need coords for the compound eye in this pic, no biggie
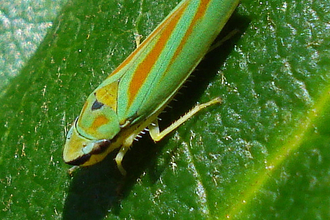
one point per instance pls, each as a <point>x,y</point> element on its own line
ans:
<point>100,146</point>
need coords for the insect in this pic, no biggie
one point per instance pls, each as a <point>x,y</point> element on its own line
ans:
<point>136,92</point>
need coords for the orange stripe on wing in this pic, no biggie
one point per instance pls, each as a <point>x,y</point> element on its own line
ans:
<point>198,15</point>
<point>141,46</point>
<point>146,65</point>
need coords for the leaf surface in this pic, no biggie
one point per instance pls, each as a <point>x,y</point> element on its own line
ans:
<point>262,154</point>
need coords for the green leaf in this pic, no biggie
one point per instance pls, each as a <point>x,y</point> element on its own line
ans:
<point>23,26</point>
<point>262,154</point>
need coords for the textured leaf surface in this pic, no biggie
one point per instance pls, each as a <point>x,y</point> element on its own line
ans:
<point>23,25</point>
<point>262,154</point>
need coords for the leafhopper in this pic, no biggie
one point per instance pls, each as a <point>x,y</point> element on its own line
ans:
<point>136,92</point>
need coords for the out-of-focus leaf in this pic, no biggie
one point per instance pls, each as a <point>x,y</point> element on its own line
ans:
<point>23,25</point>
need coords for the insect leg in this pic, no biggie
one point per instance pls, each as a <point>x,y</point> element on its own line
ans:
<point>157,135</point>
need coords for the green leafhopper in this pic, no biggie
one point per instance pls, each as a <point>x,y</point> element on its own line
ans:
<point>134,94</point>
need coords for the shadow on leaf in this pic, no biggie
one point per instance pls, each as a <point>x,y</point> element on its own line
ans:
<point>97,191</point>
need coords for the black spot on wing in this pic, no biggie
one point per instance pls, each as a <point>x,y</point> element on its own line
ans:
<point>97,105</point>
